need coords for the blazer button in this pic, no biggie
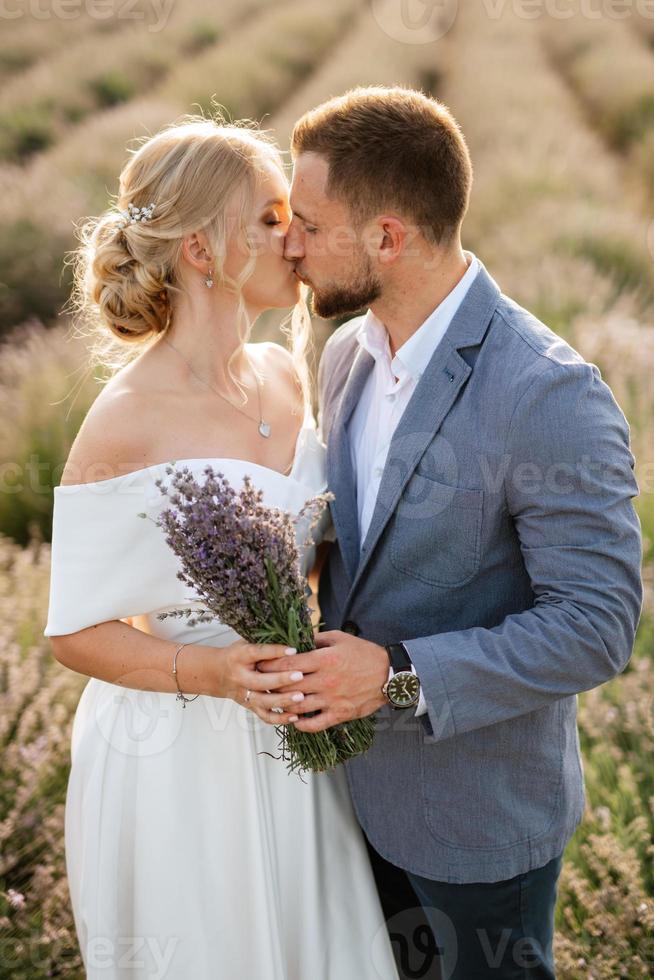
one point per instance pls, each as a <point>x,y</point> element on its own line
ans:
<point>350,627</point>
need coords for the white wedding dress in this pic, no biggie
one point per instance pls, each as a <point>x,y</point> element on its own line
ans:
<point>191,854</point>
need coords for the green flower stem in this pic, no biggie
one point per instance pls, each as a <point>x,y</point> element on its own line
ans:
<point>309,751</point>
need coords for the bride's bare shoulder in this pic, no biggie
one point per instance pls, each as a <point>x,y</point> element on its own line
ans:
<point>112,439</point>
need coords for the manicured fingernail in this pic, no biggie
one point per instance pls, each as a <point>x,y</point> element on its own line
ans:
<point>298,697</point>
<point>297,675</point>
<point>293,717</point>
<point>290,650</point>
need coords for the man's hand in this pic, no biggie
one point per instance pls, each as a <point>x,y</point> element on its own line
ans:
<point>343,679</point>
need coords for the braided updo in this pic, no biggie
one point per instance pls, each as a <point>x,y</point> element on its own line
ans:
<point>127,278</point>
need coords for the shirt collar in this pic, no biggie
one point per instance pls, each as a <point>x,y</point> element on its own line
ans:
<point>414,355</point>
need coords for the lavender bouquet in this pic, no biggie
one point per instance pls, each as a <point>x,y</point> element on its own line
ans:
<point>242,559</point>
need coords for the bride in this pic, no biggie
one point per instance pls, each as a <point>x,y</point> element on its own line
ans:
<point>190,852</point>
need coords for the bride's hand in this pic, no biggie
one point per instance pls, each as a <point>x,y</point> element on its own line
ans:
<point>243,683</point>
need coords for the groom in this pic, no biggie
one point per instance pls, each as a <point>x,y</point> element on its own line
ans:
<point>487,559</point>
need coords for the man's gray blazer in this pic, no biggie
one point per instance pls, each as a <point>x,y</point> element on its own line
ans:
<point>506,551</point>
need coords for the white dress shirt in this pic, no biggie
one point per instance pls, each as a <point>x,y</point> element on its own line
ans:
<point>387,392</point>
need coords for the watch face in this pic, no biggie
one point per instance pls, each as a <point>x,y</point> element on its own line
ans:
<point>403,689</point>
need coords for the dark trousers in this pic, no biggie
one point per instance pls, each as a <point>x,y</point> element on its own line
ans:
<point>500,930</point>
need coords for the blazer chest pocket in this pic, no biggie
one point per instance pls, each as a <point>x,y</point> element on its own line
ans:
<point>436,532</point>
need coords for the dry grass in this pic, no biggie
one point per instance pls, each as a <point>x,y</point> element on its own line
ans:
<point>561,234</point>
<point>366,56</point>
<point>27,39</point>
<point>38,106</point>
<point>611,71</point>
<point>254,73</point>
<point>605,911</point>
<point>642,25</point>
<point>37,702</point>
<point>46,388</point>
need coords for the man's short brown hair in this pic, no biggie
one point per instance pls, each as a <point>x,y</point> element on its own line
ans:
<point>391,148</point>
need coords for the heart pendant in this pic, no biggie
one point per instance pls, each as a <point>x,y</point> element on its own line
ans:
<point>264,429</point>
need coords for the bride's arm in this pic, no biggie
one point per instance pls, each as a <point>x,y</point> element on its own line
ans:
<point>121,654</point>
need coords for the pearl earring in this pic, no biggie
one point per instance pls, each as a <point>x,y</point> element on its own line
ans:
<point>209,280</point>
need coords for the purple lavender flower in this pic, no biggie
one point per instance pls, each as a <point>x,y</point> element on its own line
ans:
<point>241,558</point>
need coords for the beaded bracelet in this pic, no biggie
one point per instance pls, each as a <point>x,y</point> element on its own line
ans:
<point>181,697</point>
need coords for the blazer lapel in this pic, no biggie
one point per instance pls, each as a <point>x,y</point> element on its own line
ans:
<point>341,477</point>
<point>434,396</point>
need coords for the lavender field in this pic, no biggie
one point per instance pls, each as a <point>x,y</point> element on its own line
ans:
<point>558,113</point>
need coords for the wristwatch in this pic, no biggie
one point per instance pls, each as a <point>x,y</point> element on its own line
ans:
<point>402,689</point>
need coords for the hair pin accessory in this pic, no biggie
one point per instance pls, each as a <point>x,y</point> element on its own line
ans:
<point>134,214</point>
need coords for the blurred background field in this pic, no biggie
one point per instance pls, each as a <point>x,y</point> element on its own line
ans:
<point>558,112</point>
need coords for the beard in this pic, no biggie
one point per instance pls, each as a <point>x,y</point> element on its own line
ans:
<point>333,301</point>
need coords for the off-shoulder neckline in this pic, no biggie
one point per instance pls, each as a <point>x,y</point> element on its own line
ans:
<point>62,488</point>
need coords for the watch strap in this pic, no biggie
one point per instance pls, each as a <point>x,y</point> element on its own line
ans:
<point>398,656</point>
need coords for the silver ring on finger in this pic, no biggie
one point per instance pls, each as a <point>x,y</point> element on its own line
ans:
<point>278,711</point>
<point>249,696</point>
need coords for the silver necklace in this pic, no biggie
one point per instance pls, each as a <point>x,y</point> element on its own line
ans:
<point>264,427</point>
